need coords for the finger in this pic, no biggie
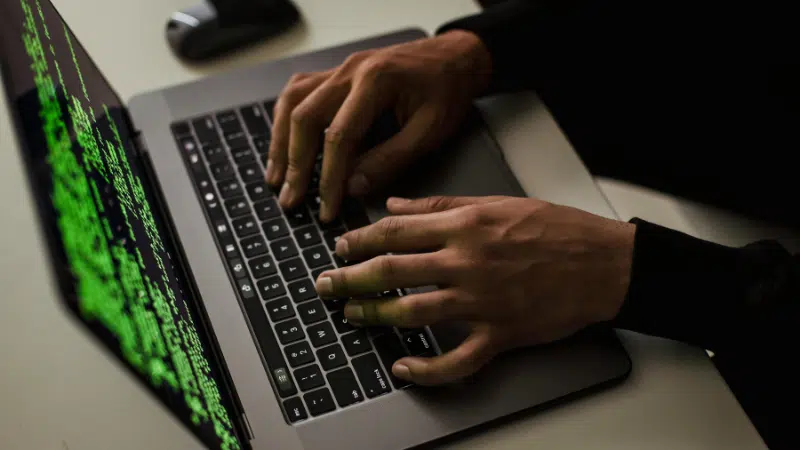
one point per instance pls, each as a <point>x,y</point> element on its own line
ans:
<point>394,234</point>
<point>466,359</point>
<point>309,119</point>
<point>410,311</point>
<point>347,129</point>
<point>378,165</point>
<point>383,273</point>
<point>298,88</point>
<point>428,205</point>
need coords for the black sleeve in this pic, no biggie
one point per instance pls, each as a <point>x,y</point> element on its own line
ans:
<point>710,295</point>
<point>741,303</point>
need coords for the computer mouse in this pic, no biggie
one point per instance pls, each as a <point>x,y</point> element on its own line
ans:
<point>200,33</point>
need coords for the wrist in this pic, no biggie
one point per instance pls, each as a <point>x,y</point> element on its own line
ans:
<point>620,262</point>
<point>471,59</point>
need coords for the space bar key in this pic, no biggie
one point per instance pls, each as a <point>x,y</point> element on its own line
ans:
<point>276,364</point>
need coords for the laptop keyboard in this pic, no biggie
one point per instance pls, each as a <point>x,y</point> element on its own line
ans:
<point>317,361</point>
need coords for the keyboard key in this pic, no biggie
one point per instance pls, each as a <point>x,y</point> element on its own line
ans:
<point>353,214</point>
<point>289,331</point>
<point>316,257</point>
<point>261,143</point>
<point>237,140</point>
<point>243,155</point>
<point>229,122</point>
<point>221,170</point>
<point>267,209</point>
<point>299,354</point>
<point>341,323</point>
<point>245,226</point>
<point>206,130</point>
<point>295,409</point>
<point>229,188</point>
<point>254,119</point>
<point>181,129</point>
<point>356,343</point>
<point>312,312</point>
<point>263,267</point>
<point>215,153</point>
<point>334,304</point>
<point>302,290</point>
<point>418,343</point>
<point>335,224</point>
<point>246,288</point>
<point>298,217</point>
<point>275,229</point>
<point>275,364</point>
<point>307,236</point>
<point>319,402</point>
<point>313,202</point>
<point>271,287</point>
<point>280,309</point>
<point>228,247</point>
<point>269,107</point>
<point>345,387</point>
<point>283,249</point>
<point>237,267</point>
<point>237,207</point>
<point>321,334</point>
<point>371,375</point>
<point>332,237</point>
<point>390,350</point>
<point>293,269</point>
<point>309,377</point>
<point>254,246</point>
<point>251,172</point>
<point>258,190</point>
<point>331,356</point>
<point>318,271</point>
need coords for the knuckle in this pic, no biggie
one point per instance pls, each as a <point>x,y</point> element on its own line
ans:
<point>386,266</point>
<point>389,227</point>
<point>438,202</point>
<point>300,116</point>
<point>327,186</point>
<point>334,136</point>
<point>375,66</point>
<point>298,77</point>
<point>471,217</point>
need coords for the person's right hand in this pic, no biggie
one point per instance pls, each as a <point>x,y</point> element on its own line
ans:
<point>428,83</point>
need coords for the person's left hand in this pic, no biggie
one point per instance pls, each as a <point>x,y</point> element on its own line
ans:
<point>520,271</point>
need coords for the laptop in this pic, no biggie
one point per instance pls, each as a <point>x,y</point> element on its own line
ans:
<point>172,254</point>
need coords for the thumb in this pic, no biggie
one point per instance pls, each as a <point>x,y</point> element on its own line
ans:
<point>464,360</point>
<point>400,206</point>
<point>379,165</point>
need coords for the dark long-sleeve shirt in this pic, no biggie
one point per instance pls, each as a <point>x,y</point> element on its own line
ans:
<point>689,84</point>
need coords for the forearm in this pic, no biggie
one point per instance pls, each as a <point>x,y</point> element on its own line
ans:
<point>709,295</point>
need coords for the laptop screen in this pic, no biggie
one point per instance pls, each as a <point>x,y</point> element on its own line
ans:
<point>116,266</point>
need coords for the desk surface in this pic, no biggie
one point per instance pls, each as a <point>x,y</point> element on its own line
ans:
<point>673,400</point>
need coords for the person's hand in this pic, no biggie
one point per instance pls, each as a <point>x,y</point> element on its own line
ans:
<point>520,271</point>
<point>428,84</point>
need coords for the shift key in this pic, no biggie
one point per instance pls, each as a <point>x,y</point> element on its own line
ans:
<point>372,377</point>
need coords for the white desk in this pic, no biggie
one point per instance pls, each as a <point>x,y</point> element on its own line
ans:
<point>673,400</point>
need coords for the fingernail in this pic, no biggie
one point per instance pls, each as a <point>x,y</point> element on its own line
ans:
<point>324,214</point>
<point>269,170</point>
<point>342,248</point>
<point>286,193</point>
<point>396,201</point>
<point>325,286</point>
<point>401,371</point>
<point>358,185</point>
<point>354,312</point>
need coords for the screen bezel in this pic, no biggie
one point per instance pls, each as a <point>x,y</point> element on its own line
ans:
<point>64,281</point>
